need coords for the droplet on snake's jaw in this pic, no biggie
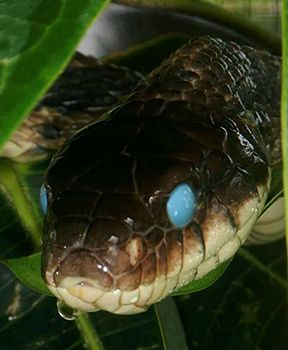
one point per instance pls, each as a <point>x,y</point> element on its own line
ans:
<point>67,312</point>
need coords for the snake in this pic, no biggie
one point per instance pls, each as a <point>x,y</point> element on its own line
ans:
<point>163,187</point>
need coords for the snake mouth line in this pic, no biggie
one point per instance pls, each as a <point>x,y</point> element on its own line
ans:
<point>87,295</point>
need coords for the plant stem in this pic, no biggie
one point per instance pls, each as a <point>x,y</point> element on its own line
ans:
<point>267,38</point>
<point>90,337</point>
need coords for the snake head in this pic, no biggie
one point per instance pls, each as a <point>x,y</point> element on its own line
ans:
<point>111,240</point>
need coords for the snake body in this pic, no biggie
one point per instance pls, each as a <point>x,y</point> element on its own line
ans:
<point>208,117</point>
<point>82,94</point>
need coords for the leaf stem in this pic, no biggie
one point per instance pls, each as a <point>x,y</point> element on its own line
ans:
<point>246,255</point>
<point>88,333</point>
<point>170,325</point>
<point>12,185</point>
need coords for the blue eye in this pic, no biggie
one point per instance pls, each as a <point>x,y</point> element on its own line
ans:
<point>181,205</point>
<point>43,199</point>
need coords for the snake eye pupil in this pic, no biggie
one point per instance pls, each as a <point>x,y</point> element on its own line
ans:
<point>181,205</point>
<point>43,199</point>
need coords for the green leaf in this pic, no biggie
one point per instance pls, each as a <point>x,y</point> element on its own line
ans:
<point>205,281</point>
<point>28,270</point>
<point>170,324</point>
<point>37,38</point>
<point>245,309</point>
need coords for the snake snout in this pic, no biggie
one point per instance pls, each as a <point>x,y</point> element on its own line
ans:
<point>107,264</point>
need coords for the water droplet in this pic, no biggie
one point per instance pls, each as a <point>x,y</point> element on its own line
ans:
<point>67,312</point>
<point>12,318</point>
<point>133,300</point>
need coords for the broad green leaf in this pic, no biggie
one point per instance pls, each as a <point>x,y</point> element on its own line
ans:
<point>28,270</point>
<point>205,281</point>
<point>37,38</point>
<point>245,309</point>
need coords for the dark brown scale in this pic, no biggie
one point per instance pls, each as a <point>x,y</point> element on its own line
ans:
<point>109,169</point>
<point>83,263</point>
<point>67,208</point>
<point>160,174</point>
<point>135,214</point>
<point>70,231</point>
<point>217,166</point>
<point>154,237</point>
<point>98,238</point>
<point>157,206</point>
<point>205,117</point>
<point>131,281</point>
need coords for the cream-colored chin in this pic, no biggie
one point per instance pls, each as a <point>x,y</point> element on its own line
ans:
<point>86,297</point>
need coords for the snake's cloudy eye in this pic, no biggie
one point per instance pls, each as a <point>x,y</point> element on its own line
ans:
<point>43,199</point>
<point>181,205</point>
